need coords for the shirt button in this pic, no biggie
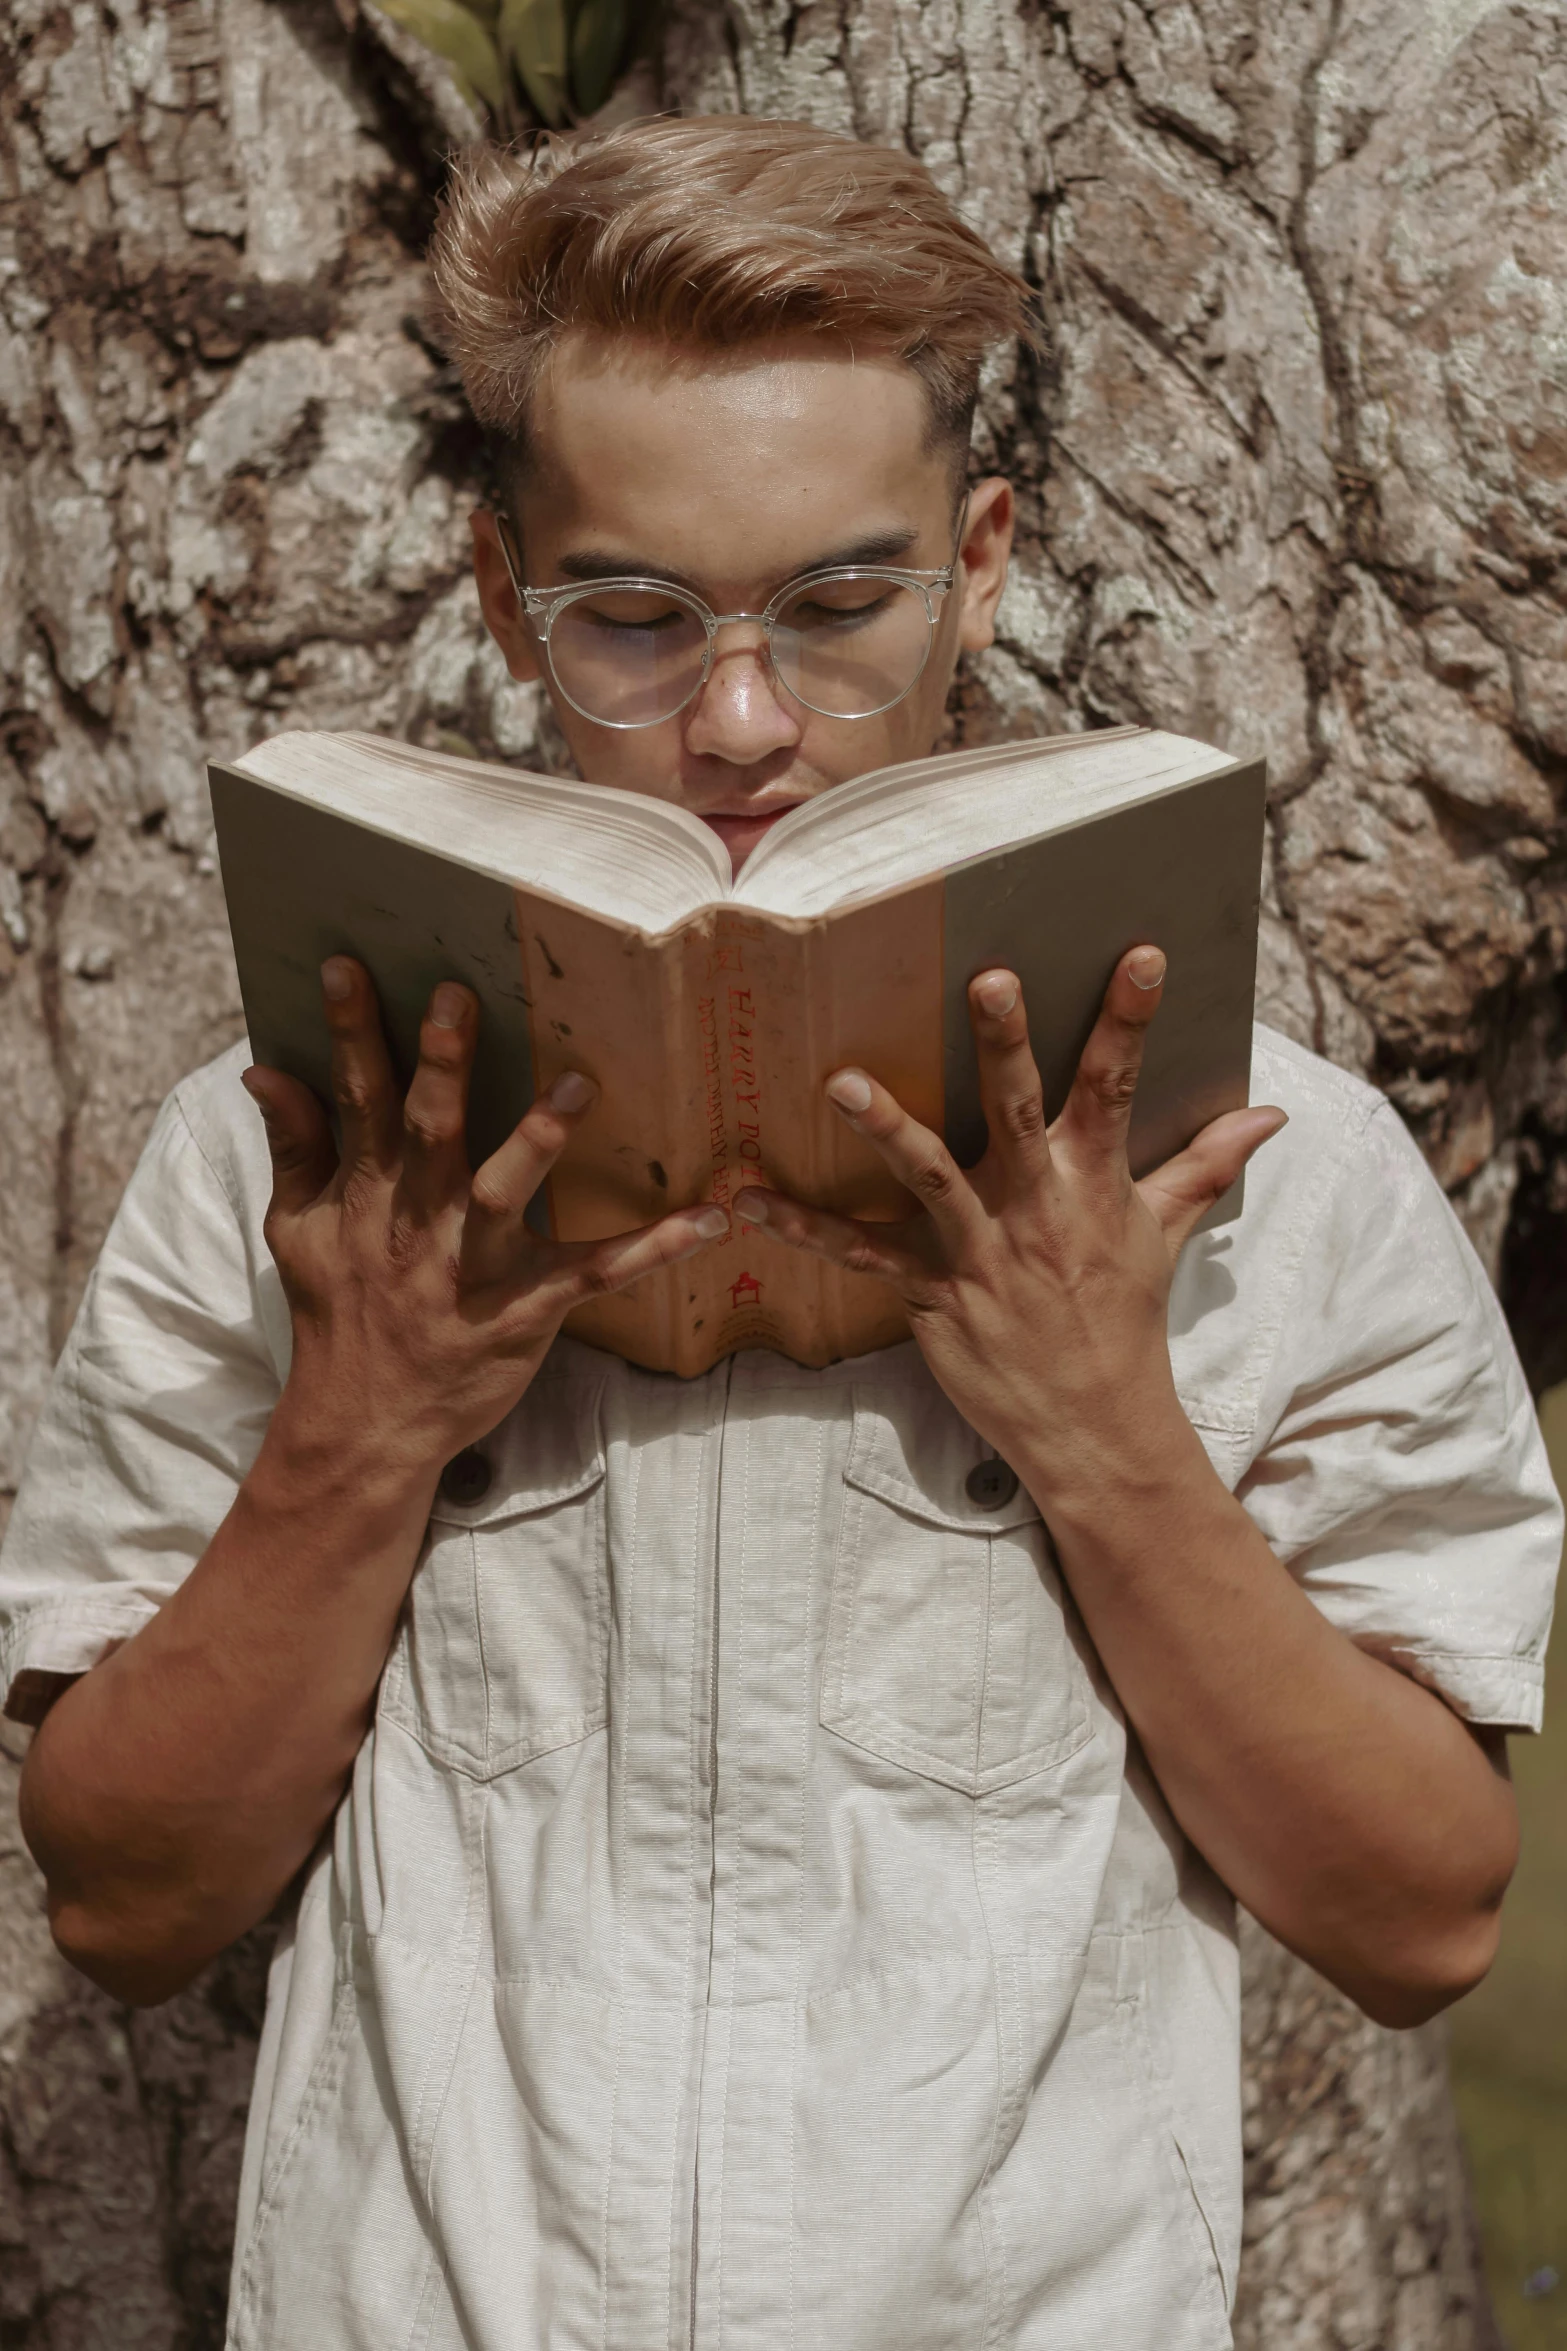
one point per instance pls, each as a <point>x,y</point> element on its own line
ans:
<point>466,1477</point>
<point>990,1484</point>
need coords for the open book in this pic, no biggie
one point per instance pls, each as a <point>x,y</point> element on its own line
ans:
<point>604,932</point>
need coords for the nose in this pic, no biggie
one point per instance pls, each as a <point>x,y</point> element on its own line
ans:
<point>739,714</point>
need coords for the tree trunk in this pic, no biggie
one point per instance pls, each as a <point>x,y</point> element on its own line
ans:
<point>1359,2231</point>
<point>1291,472</point>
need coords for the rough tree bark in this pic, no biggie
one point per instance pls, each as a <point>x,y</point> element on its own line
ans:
<point>1292,473</point>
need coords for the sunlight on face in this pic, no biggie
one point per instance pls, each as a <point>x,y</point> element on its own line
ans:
<point>732,476</point>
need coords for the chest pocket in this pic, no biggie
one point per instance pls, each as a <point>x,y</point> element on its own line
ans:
<point>951,1649</point>
<point>502,1652</point>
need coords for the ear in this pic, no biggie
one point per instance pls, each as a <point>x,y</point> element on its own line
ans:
<point>503,614</point>
<point>981,572</point>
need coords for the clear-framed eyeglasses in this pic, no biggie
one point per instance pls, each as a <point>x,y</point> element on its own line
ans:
<point>848,642</point>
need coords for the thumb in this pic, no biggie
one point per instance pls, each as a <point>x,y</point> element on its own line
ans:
<point>1181,1192</point>
<point>298,1137</point>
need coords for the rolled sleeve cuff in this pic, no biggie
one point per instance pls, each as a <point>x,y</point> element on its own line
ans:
<point>1493,1693</point>
<point>48,1646</point>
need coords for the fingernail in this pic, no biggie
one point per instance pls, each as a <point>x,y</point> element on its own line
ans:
<point>710,1222</point>
<point>752,1206</point>
<point>1145,968</point>
<point>997,993</point>
<point>247,1078</point>
<point>572,1092</point>
<point>337,979</point>
<point>448,1005</point>
<point>850,1091</point>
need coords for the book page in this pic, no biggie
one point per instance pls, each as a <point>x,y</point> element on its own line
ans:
<point>882,831</point>
<point>619,854</point>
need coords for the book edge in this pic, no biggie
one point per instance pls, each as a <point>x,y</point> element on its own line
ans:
<point>796,924</point>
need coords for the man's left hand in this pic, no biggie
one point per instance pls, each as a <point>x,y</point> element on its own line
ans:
<point>1037,1282</point>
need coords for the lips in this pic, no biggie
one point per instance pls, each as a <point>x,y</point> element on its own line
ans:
<point>740,833</point>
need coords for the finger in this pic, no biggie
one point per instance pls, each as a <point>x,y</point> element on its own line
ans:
<point>298,1138</point>
<point>920,1160</point>
<point>1182,1191</point>
<point>596,1269</point>
<point>1009,1089</point>
<point>363,1084</point>
<point>875,1249</point>
<point>1093,1123</point>
<point>435,1113</point>
<point>501,1189</point>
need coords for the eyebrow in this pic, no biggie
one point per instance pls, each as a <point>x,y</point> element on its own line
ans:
<point>876,547</point>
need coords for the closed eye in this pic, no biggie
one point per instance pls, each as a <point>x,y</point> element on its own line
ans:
<point>631,612</point>
<point>838,608</point>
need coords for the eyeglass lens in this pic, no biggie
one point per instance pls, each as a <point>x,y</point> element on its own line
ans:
<point>849,646</point>
<point>628,656</point>
<point>846,645</point>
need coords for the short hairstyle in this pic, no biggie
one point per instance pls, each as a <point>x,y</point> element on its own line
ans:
<point>708,232</point>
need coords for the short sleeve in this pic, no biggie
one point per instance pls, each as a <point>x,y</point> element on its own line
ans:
<point>156,1411</point>
<point>1402,1475</point>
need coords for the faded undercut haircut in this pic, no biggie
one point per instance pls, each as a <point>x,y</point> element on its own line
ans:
<point>708,233</point>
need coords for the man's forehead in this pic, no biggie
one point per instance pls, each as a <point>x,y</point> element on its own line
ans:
<point>688,457</point>
<point>787,376</point>
<point>813,405</point>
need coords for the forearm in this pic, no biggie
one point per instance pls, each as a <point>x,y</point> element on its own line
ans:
<point>172,1793</point>
<point>1346,1807</point>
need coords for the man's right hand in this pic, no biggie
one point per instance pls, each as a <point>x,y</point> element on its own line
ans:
<point>422,1302</point>
<point>172,1793</point>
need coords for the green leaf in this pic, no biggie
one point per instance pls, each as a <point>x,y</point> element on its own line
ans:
<point>486,10</point>
<point>452,31</point>
<point>598,41</point>
<point>533,37</point>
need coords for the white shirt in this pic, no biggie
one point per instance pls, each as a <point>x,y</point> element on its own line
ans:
<point>748,1927</point>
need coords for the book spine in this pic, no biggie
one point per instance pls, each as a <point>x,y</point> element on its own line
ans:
<point>778,1005</point>
<point>752,992</point>
<point>711,1047</point>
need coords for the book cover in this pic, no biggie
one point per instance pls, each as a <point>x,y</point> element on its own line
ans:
<point>711,1040</point>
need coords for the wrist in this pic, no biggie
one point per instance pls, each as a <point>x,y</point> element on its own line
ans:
<point>1131,1461</point>
<point>324,1462</point>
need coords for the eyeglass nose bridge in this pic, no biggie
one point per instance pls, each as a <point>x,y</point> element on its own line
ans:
<point>714,621</point>
<point>762,651</point>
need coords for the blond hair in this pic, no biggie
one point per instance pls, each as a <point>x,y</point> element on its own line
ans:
<point>709,232</point>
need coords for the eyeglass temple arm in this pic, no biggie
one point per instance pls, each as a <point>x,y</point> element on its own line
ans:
<point>512,560</point>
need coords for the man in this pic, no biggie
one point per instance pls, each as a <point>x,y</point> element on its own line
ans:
<point>755,1885</point>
